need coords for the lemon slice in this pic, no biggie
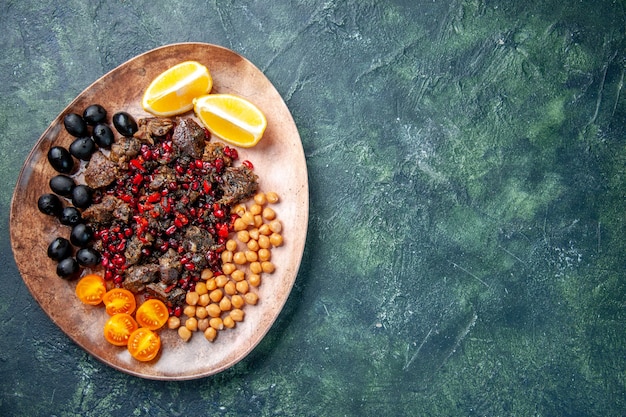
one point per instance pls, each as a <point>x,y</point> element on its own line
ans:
<point>172,92</point>
<point>231,118</point>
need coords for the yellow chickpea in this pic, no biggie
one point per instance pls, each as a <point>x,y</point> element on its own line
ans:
<point>230,288</point>
<point>210,334</point>
<point>201,312</point>
<point>192,298</point>
<point>204,300</point>
<point>192,324</point>
<point>173,322</point>
<point>214,310</point>
<point>255,267</point>
<point>251,298</point>
<point>221,280</point>
<point>203,324</point>
<point>225,304</point>
<point>255,209</point>
<point>247,218</point>
<point>260,198</point>
<point>276,226</point>
<point>229,323</point>
<point>253,244</point>
<point>269,213</point>
<point>201,288</point>
<point>243,236</point>
<point>264,255</point>
<point>264,230</point>
<point>237,301</point>
<point>268,267</point>
<point>211,284</point>
<point>228,268</point>
<point>238,275</point>
<point>276,239</point>
<point>227,256</point>
<point>240,224</point>
<point>231,245</point>
<point>239,209</point>
<point>254,233</point>
<point>216,323</point>
<point>184,333</point>
<point>206,274</point>
<point>254,280</point>
<point>264,242</point>
<point>189,311</point>
<point>239,258</point>
<point>251,256</point>
<point>237,314</point>
<point>271,197</point>
<point>258,220</point>
<point>216,295</point>
<point>242,287</point>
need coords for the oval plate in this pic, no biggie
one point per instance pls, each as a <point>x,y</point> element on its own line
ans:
<point>278,160</point>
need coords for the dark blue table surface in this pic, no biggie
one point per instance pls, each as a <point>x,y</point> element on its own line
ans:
<point>465,251</point>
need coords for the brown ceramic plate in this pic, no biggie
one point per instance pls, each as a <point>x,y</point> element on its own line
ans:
<point>278,160</point>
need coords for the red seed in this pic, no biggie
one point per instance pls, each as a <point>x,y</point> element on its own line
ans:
<point>248,164</point>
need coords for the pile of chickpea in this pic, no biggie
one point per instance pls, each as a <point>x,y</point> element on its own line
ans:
<point>218,300</point>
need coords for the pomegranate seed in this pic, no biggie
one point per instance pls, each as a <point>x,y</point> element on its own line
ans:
<point>248,164</point>
<point>137,164</point>
<point>154,197</point>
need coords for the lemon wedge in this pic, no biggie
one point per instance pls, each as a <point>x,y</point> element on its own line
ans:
<point>231,118</point>
<point>172,92</point>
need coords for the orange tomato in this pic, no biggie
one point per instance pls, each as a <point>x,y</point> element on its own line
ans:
<point>144,344</point>
<point>91,289</point>
<point>118,328</point>
<point>119,300</point>
<point>152,314</point>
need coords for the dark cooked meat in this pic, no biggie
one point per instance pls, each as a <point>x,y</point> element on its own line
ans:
<point>169,267</point>
<point>153,127</point>
<point>238,184</point>
<point>189,138</point>
<point>138,276</point>
<point>165,176</point>
<point>100,171</point>
<point>214,150</point>
<point>123,150</point>
<point>108,209</point>
<point>175,296</point>
<point>197,240</point>
<point>133,250</point>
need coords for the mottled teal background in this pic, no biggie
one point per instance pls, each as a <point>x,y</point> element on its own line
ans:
<point>466,250</point>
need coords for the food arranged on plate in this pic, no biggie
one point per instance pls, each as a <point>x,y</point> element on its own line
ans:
<point>167,229</point>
